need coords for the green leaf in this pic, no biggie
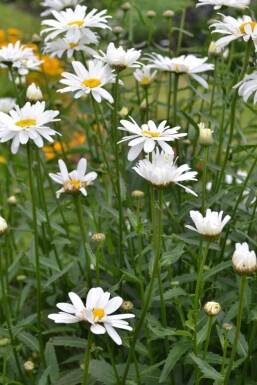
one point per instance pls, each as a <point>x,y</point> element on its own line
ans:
<point>29,340</point>
<point>91,254</point>
<point>51,361</point>
<point>173,256</point>
<point>43,378</point>
<point>216,269</point>
<point>102,371</point>
<point>201,335</point>
<point>165,332</point>
<point>242,345</point>
<point>74,377</point>
<point>132,218</point>
<point>58,275</point>
<point>172,293</point>
<point>74,342</point>
<point>180,348</point>
<point>207,370</point>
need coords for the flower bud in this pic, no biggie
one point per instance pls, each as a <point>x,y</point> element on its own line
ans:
<point>36,39</point>
<point>213,50</point>
<point>21,278</point>
<point>212,308</point>
<point>227,326</point>
<point>123,112</point>
<point>34,93</point>
<point>126,6</point>
<point>3,225</point>
<point>117,30</point>
<point>29,365</point>
<point>12,200</point>
<point>98,238</point>
<point>151,14</point>
<point>137,194</point>
<point>205,135</point>
<point>244,261</point>
<point>143,105</point>
<point>127,305</point>
<point>4,341</point>
<point>168,13</point>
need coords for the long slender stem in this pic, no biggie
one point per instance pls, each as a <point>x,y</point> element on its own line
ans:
<point>36,250</point>
<point>225,347</point>
<point>205,159</point>
<point>87,359</point>
<point>237,332</point>
<point>208,337</point>
<point>157,234</point>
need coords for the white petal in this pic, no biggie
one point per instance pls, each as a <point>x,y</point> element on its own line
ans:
<point>113,334</point>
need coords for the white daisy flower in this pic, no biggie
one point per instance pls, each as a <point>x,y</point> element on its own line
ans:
<point>211,225</point>
<point>144,76</point>
<point>3,225</point>
<point>98,312</point>
<point>91,80</point>
<point>73,20</point>
<point>58,5</point>
<point>163,171</point>
<point>247,87</point>
<point>28,122</point>
<point>6,104</point>
<point>72,42</point>
<point>190,65</point>
<point>73,181</point>
<point>147,136</point>
<point>234,29</point>
<point>244,261</point>
<point>119,59</point>
<point>18,56</point>
<point>239,4</point>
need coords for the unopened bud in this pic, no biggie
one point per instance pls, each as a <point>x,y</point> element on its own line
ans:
<point>29,366</point>
<point>98,238</point>
<point>127,305</point>
<point>117,30</point>
<point>151,14</point>
<point>137,194</point>
<point>227,326</point>
<point>123,112</point>
<point>212,308</point>
<point>205,135</point>
<point>21,278</point>
<point>213,50</point>
<point>168,13</point>
<point>4,341</point>
<point>126,6</point>
<point>34,93</point>
<point>244,261</point>
<point>143,105</point>
<point>36,39</point>
<point>12,200</point>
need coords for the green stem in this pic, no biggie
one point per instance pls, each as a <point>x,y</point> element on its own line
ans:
<point>225,347</point>
<point>205,159</point>
<point>157,236</point>
<point>181,27</point>
<point>252,342</point>
<point>87,358</point>
<point>169,96</point>
<point>77,201</point>
<point>237,332</point>
<point>208,337</point>
<point>198,292</point>
<point>36,249</point>
<point>140,255</point>
<point>97,264</point>
<point>110,352</point>
<point>213,87</point>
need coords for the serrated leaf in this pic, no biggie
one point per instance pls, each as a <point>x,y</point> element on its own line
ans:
<point>173,256</point>
<point>29,340</point>
<point>132,218</point>
<point>207,370</point>
<point>242,345</point>
<point>58,275</point>
<point>51,361</point>
<point>180,348</point>
<point>102,371</point>
<point>74,342</point>
<point>165,332</point>
<point>43,378</point>
<point>172,293</point>
<point>201,335</point>
<point>74,377</point>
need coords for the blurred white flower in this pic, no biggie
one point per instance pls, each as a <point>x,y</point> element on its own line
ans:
<point>3,225</point>
<point>243,260</point>
<point>73,181</point>
<point>97,311</point>
<point>190,65</point>
<point>91,80</point>
<point>118,58</point>
<point>240,4</point>
<point>28,122</point>
<point>75,20</point>
<point>163,171</point>
<point>211,225</point>
<point>247,87</point>
<point>58,5</point>
<point>144,76</point>
<point>147,136</point>
<point>6,104</point>
<point>234,29</point>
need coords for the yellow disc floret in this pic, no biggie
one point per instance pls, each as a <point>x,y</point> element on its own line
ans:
<point>73,45</point>
<point>91,83</point>
<point>251,23</point>
<point>149,133</point>
<point>26,123</point>
<point>73,185</point>
<point>98,314</point>
<point>79,23</point>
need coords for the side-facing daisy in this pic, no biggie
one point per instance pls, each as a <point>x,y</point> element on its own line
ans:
<point>58,5</point>
<point>97,311</point>
<point>28,122</point>
<point>73,20</point>
<point>247,87</point>
<point>211,225</point>
<point>6,104</point>
<point>234,29</point>
<point>244,261</point>
<point>163,171</point>
<point>91,80</point>
<point>74,181</point>
<point>144,76</point>
<point>119,59</point>
<point>147,136</point>
<point>190,65</point>
<point>239,4</point>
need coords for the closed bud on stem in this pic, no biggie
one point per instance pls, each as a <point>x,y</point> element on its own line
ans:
<point>212,308</point>
<point>168,13</point>
<point>137,194</point>
<point>12,200</point>
<point>29,366</point>
<point>117,30</point>
<point>98,238</point>
<point>126,6</point>
<point>205,135</point>
<point>227,326</point>
<point>34,93</point>
<point>244,261</point>
<point>213,50</point>
<point>127,305</point>
<point>150,14</point>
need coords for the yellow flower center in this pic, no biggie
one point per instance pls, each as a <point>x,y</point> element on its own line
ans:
<point>26,123</point>
<point>98,313</point>
<point>79,23</point>
<point>72,45</point>
<point>145,81</point>
<point>149,133</point>
<point>91,83</point>
<point>251,23</point>
<point>176,68</point>
<point>73,185</point>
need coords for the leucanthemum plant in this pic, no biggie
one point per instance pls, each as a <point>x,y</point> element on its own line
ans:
<point>217,4</point>
<point>120,59</point>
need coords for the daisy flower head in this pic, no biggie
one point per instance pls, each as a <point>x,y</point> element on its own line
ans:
<point>147,136</point>
<point>75,20</point>
<point>119,59</point>
<point>6,104</point>
<point>247,87</point>
<point>18,56</point>
<point>58,5</point>
<point>29,122</point>
<point>211,225</point>
<point>74,181</point>
<point>144,76</point>
<point>162,171</point>
<point>184,64</point>
<point>97,311</point>
<point>244,261</point>
<point>72,42</point>
<point>235,29</point>
<point>239,4</point>
<point>91,80</point>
